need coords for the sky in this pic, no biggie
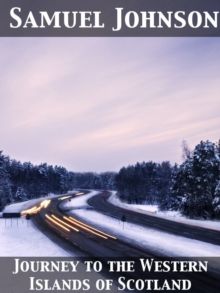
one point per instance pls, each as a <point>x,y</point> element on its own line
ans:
<point>98,104</point>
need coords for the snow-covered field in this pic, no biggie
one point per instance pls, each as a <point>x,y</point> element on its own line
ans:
<point>19,237</point>
<point>31,242</point>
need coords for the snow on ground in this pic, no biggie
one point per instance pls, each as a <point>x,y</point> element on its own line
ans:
<point>19,237</point>
<point>159,242</point>
<point>152,210</point>
<point>79,202</point>
<point>24,205</point>
<point>29,241</point>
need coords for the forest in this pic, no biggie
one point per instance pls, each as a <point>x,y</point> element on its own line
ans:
<point>193,187</point>
<point>24,181</point>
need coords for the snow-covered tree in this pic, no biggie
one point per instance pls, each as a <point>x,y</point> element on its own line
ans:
<point>196,182</point>
<point>5,183</point>
<point>146,182</point>
<point>216,200</point>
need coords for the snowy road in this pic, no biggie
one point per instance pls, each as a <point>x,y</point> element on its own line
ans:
<point>101,204</point>
<point>132,241</point>
<point>78,236</point>
<point>122,246</point>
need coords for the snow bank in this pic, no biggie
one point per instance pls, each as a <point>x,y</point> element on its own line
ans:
<point>158,242</point>
<point>24,205</point>
<point>79,202</point>
<point>152,210</point>
<point>145,238</point>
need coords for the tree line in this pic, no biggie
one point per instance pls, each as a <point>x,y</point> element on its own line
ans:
<point>24,181</point>
<point>193,188</point>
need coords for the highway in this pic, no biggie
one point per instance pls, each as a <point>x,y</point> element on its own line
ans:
<point>53,222</point>
<point>81,240</point>
<point>101,204</point>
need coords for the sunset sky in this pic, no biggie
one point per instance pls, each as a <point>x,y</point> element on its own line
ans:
<point>97,104</point>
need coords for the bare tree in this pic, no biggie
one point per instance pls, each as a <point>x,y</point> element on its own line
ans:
<point>186,153</point>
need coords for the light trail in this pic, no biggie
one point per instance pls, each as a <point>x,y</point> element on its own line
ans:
<point>65,197</point>
<point>79,224</point>
<point>57,223</point>
<point>65,223</point>
<point>33,210</point>
<point>110,236</point>
<point>36,209</point>
<point>45,203</point>
<point>79,193</point>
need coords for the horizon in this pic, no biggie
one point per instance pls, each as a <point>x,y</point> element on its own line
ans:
<point>92,171</point>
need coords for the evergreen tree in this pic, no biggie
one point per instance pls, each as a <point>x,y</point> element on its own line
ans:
<point>196,182</point>
<point>5,183</point>
<point>144,183</point>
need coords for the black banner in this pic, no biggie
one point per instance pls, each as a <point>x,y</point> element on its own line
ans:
<point>109,18</point>
<point>195,275</point>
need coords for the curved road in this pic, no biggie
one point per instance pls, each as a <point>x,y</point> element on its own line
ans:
<point>86,239</point>
<point>101,204</point>
<point>82,240</point>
